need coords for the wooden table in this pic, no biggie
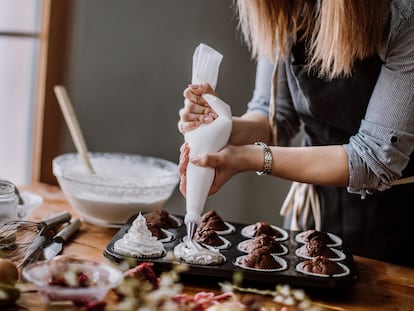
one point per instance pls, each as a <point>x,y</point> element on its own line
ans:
<point>381,286</point>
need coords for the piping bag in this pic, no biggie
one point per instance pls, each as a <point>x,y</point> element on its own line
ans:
<point>206,138</point>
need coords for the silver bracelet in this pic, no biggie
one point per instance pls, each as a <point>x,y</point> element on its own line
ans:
<point>268,159</point>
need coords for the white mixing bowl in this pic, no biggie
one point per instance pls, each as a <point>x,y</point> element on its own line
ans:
<point>123,185</point>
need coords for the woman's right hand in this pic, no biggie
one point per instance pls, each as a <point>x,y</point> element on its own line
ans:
<point>196,110</point>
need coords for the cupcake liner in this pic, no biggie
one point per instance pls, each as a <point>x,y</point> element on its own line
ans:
<point>170,236</point>
<point>238,263</point>
<point>248,232</point>
<point>230,229</point>
<point>340,254</point>
<point>338,275</point>
<point>141,256</point>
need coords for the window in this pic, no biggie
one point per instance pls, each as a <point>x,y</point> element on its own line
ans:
<point>19,55</point>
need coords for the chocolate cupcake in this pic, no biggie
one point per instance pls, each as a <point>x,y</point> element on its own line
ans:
<point>274,246</point>
<point>316,247</point>
<point>261,259</point>
<point>322,266</point>
<point>212,220</point>
<point>163,219</point>
<point>209,237</point>
<point>263,228</point>
<point>328,238</point>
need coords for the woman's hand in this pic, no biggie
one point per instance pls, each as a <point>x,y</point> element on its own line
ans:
<point>182,167</point>
<point>227,162</point>
<point>196,110</point>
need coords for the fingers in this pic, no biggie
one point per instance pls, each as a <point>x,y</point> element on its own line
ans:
<point>196,110</point>
<point>183,185</point>
<point>200,89</point>
<point>184,159</point>
<point>182,167</point>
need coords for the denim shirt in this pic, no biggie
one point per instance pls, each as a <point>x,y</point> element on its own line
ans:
<point>370,113</point>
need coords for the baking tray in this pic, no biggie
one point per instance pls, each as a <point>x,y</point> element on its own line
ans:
<point>226,271</point>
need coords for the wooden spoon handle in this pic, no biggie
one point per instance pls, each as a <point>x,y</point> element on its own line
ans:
<point>73,125</point>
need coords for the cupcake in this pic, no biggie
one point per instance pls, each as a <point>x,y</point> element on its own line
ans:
<point>263,228</point>
<point>139,241</point>
<point>274,246</point>
<point>212,220</point>
<point>207,236</point>
<point>160,233</point>
<point>261,259</point>
<point>163,219</point>
<point>194,253</point>
<point>328,238</point>
<point>316,247</point>
<point>322,266</point>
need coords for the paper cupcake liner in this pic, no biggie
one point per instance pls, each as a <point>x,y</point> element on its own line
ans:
<point>230,229</point>
<point>170,236</point>
<point>346,272</point>
<point>204,264</point>
<point>241,247</point>
<point>238,262</point>
<point>340,255</point>
<point>248,232</point>
<point>141,256</point>
<point>337,240</point>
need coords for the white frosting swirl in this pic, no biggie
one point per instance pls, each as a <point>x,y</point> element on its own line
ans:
<point>194,253</point>
<point>139,242</point>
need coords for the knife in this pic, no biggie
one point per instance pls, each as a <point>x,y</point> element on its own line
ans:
<point>63,235</point>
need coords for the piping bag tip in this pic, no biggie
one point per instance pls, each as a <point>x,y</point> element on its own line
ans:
<point>191,228</point>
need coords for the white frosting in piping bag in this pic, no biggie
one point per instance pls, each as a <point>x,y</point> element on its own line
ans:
<point>206,138</point>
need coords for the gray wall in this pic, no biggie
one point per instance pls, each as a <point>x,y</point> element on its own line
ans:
<point>129,62</point>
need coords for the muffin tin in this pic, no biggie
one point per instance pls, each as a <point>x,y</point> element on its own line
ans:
<point>254,277</point>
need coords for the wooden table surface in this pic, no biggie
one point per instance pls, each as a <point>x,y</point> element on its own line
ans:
<point>381,286</point>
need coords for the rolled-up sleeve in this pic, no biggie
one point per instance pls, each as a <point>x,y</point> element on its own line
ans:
<point>381,149</point>
<point>288,123</point>
<point>263,84</point>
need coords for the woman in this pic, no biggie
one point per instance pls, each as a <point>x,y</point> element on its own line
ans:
<point>345,70</point>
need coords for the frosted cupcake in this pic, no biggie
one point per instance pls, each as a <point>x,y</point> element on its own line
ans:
<point>139,241</point>
<point>194,253</point>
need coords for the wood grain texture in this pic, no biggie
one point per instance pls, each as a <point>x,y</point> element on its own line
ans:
<point>381,286</point>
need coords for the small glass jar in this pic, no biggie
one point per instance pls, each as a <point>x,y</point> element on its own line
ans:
<point>8,201</point>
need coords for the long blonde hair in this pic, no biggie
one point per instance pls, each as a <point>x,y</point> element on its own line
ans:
<point>337,32</point>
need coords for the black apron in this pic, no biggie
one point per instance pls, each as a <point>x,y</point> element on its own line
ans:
<point>379,226</point>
